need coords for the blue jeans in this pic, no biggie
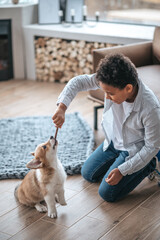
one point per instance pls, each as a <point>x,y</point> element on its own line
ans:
<point>101,163</point>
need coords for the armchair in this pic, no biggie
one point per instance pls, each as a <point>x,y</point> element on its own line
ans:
<point>145,56</point>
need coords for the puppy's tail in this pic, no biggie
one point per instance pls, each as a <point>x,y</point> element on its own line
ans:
<point>15,191</point>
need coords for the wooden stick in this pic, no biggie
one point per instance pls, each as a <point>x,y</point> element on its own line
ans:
<point>56,133</point>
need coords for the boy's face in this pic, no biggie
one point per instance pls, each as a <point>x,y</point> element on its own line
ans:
<point>115,94</point>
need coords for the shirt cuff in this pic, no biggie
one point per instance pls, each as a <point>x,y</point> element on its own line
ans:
<point>123,169</point>
<point>66,101</point>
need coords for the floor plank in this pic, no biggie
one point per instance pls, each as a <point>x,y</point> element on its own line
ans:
<point>18,219</point>
<point>8,202</point>
<point>155,233</point>
<point>113,213</point>
<point>80,230</point>
<point>77,183</point>
<point>4,236</point>
<point>8,184</point>
<point>138,225</point>
<point>153,202</point>
<point>78,206</point>
<point>40,230</point>
<point>69,193</point>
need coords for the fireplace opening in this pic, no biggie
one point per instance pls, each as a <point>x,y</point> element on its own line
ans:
<point>6,63</point>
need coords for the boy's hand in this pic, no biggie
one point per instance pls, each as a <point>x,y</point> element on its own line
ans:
<point>114,177</point>
<point>59,116</point>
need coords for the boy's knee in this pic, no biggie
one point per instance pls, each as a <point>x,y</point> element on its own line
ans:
<point>107,193</point>
<point>86,175</point>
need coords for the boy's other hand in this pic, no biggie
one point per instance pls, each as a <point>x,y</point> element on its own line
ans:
<point>114,177</point>
<point>59,116</point>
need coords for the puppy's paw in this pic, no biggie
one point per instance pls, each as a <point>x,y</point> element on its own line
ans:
<point>43,209</point>
<point>40,207</point>
<point>63,203</point>
<point>52,215</point>
<point>56,198</point>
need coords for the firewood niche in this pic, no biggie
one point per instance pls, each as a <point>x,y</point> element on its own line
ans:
<point>59,60</point>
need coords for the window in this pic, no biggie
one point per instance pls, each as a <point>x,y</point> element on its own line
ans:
<point>128,11</point>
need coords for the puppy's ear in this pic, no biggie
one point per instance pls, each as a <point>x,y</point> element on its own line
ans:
<point>34,164</point>
<point>32,153</point>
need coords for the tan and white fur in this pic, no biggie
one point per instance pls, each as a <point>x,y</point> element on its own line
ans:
<point>45,180</point>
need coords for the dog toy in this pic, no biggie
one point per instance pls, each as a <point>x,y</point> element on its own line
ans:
<point>56,134</point>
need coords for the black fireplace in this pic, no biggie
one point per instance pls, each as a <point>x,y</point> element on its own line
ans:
<point>6,63</point>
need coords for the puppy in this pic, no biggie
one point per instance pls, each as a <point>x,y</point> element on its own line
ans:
<point>45,181</point>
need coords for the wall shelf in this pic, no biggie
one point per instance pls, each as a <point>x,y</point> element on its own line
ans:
<point>94,32</point>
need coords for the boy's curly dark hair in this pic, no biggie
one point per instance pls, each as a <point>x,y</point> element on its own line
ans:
<point>117,70</point>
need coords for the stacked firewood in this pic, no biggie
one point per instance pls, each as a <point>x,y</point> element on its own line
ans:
<point>60,59</point>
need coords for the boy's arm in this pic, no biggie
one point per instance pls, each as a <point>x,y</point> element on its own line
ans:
<point>151,147</point>
<point>75,85</point>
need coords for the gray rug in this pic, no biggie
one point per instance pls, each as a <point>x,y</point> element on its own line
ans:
<point>20,136</point>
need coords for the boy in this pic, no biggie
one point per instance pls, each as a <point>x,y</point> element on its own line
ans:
<point>131,123</point>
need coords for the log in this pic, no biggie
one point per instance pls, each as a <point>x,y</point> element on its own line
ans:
<point>60,59</point>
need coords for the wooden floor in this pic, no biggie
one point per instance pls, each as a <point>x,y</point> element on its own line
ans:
<point>86,215</point>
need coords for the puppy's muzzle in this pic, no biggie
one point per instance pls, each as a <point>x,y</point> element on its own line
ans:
<point>55,143</point>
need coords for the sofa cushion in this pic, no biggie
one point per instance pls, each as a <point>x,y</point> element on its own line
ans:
<point>150,75</point>
<point>156,45</point>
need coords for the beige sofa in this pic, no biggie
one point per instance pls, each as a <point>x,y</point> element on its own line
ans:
<point>145,56</point>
